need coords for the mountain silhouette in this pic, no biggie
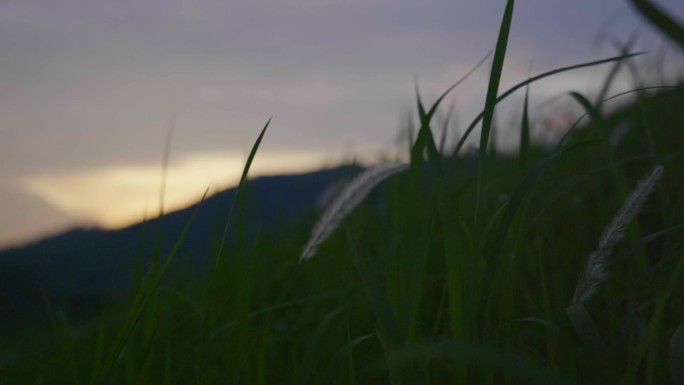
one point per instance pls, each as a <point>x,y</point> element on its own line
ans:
<point>83,267</point>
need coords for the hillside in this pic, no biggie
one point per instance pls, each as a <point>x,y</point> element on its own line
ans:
<point>82,267</point>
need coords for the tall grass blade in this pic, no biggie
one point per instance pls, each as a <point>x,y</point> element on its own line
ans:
<point>574,126</point>
<point>494,244</point>
<point>589,109</point>
<point>445,128</point>
<point>650,341</point>
<point>495,77</point>
<point>315,348</point>
<point>343,353</point>
<point>511,90</point>
<point>425,139</point>
<point>632,249</point>
<point>158,235</point>
<point>661,20</point>
<point>486,358</point>
<point>165,166</point>
<point>389,331</point>
<point>141,300</point>
<point>624,49</point>
<point>240,190</point>
<point>425,118</point>
<point>496,241</point>
<point>677,356</point>
<point>490,101</point>
<point>525,132</point>
<point>594,347</point>
<point>64,333</point>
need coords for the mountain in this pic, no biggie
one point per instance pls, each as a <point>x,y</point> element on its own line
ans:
<point>83,267</point>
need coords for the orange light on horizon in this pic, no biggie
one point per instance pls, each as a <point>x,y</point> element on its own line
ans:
<point>118,196</point>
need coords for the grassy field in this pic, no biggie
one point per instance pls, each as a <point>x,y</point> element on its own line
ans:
<point>560,265</point>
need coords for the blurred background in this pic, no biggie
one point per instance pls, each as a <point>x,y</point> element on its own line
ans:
<point>91,90</point>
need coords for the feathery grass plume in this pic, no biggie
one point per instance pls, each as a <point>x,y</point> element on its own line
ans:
<point>596,271</point>
<point>350,197</point>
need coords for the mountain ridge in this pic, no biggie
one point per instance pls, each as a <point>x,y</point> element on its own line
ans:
<point>83,266</point>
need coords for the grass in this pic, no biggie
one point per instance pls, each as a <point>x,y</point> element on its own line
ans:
<point>456,270</point>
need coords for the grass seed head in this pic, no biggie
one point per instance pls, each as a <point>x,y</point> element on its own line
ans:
<point>350,197</point>
<point>596,271</point>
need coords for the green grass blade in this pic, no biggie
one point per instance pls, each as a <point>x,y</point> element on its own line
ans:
<point>579,120</point>
<point>238,195</point>
<point>494,244</point>
<point>237,200</point>
<point>661,20</point>
<point>521,192</point>
<point>342,354</point>
<point>677,356</point>
<point>141,300</point>
<point>593,346</point>
<point>486,359</point>
<point>98,354</point>
<point>633,248</point>
<point>524,151</point>
<point>511,90</point>
<point>62,330</point>
<point>490,101</point>
<point>593,113</point>
<point>165,166</point>
<point>445,128</point>
<point>315,348</point>
<point>389,332</point>
<point>650,341</point>
<point>612,74</point>
<point>495,77</point>
<point>424,138</point>
<point>168,376</point>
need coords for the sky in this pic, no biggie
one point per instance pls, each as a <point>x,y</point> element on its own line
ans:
<point>89,90</point>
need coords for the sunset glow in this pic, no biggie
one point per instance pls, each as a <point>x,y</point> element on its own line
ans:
<point>120,195</point>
